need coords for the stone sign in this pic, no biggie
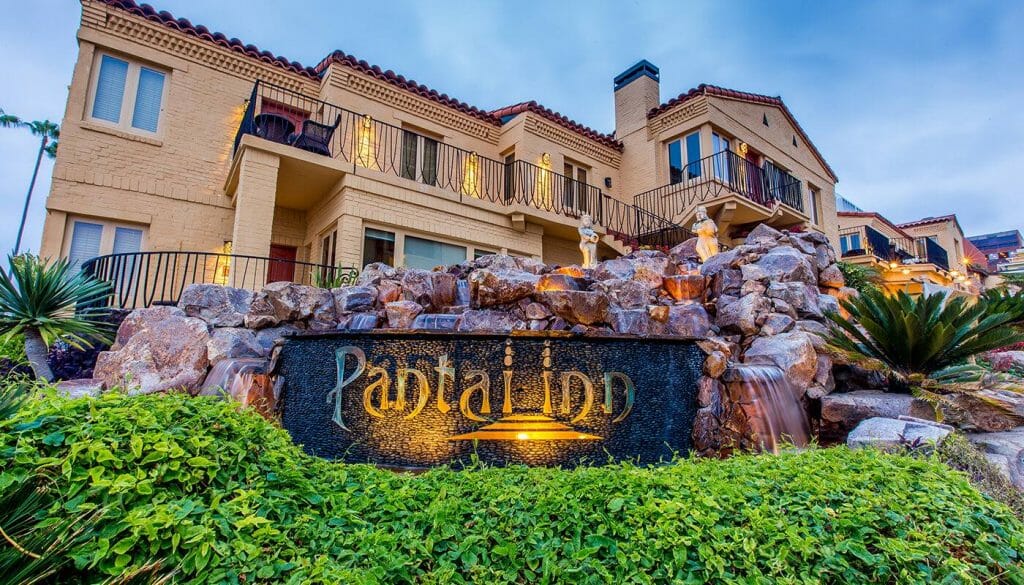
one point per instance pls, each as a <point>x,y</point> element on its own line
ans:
<point>421,399</point>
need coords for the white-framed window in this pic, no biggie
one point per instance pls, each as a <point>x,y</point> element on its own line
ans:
<point>126,94</point>
<point>576,194</point>
<point>814,200</point>
<point>419,157</point>
<point>684,150</point>
<point>87,238</point>
<point>850,243</point>
<point>414,250</point>
<point>720,150</point>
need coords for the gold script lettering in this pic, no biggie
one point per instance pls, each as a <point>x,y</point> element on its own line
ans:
<point>335,394</point>
<point>588,393</point>
<point>483,386</point>
<point>382,383</point>
<point>424,390</point>
<point>444,371</point>
<point>630,394</point>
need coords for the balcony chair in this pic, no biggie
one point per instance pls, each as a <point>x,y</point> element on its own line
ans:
<point>315,137</point>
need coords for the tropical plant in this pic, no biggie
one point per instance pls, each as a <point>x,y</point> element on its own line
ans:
<point>912,337</point>
<point>1013,279</point>
<point>860,277</point>
<point>1001,300</point>
<point>49,135</point>
<point>45,302</point>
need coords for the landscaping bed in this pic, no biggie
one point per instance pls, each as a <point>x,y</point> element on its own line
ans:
<point>218,494</point>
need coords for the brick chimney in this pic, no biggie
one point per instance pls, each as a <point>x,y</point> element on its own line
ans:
<point>637,91</point>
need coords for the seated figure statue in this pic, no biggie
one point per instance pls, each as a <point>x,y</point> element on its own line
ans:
<point>707,234</point>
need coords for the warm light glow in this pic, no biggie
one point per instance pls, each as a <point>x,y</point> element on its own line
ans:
<point>574,271</point>
<point>954,273</point>
<point>364,142</point>
<point>893,265</point>
<point>223,267</point>
<point>906,271</point>
<point>471,176</point>
<point>522,436</point>
<point>542,190</point>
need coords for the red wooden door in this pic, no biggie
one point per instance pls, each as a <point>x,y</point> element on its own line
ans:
<point>282,263</point>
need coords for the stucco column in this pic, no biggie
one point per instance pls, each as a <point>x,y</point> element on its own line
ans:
<point>254,211</point>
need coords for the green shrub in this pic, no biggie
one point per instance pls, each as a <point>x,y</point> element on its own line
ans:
<point>861,277</point>
<point>957,452</point>
<point>225,497</point>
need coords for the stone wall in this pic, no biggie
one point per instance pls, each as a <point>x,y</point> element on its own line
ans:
<point>760,303</point>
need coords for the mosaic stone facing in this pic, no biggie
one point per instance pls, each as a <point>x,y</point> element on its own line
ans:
<point>538,399</point>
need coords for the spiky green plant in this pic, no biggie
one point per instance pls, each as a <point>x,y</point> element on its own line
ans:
<point>914,337</point>
<point>1001,300</point>
<point>39,299</point>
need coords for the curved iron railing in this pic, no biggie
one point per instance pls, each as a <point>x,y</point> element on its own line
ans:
<point>718,175</point>
<point>143,279</point>
<point>376,145</point>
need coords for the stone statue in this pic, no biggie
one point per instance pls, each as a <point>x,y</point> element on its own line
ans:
<point>707,234</point>
<point>588,241</point>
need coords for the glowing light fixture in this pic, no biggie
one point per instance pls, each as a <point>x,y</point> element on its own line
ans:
<point>222,269</point>
<point>471,176</point>
<point>542,190</point>
<point>364,142</point>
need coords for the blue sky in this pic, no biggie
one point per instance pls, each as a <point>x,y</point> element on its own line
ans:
<point>916,105</point>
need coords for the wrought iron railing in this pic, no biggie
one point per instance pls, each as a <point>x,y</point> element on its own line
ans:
<point>143,279</point>
<point>861,240</point>
<point>718,175</point>
<point>279,114</point>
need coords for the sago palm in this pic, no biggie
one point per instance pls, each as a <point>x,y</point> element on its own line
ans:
<point>918,336</point>
<point>39,300</point>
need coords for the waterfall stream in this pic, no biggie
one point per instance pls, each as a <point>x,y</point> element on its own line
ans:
<point>771,405</point>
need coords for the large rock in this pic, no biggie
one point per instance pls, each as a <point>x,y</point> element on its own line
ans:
<point>267,338</point>
<point>832,277</point>
<point>141,319</point>
<point>432,290</point>
<point>220,306</point>
<point>91,387</point>
<point>986,410</point>
<point>630,321</point>
<point>350,299</point>
<point>1005,450</point>
<point>763,234</point>
<point>650,268</point>
<point>388,291</point>
<point>283,302</point>
<point>577,306</point>
<point>742,314</point>
<point>231,343</point>
<point>787,264</point>
<point>792,352</point>
<point>165,355</point>
<point>688,320</point>
<point>625,293</point>
<point>489,320</point>
<point>891,434</point>
<point>499,287</point>
<point>719,262</point>
<point>375,272</point>
<point>802,297</point>
<point>841,412</point>
<point>685,254</point>
<point>614,268</point>
<point>400,314</point>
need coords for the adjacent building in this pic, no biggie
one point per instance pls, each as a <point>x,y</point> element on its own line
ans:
<point>1000,248</point>
<point>916,257</point>
<point>182,149</point>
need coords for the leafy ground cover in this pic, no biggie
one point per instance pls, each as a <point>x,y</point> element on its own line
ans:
<point>220,495</point>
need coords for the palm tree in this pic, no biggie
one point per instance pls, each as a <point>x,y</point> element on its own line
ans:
<point>917,337</point>
<point>45,302</point>
<point>49,135</point>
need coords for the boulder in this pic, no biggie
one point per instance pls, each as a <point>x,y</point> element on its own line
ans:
<point>266,338</point>
<point>719,262</point>
<point>351,299</point>
<point>531,265</point>
<point>432,290</point>
<point>802,297</point>
<point>630,321</point>
<point>650,269</point>
<point>709,394</point>
<point>577,306</point>
<point>763,234</point>
<point>167,354</point>
<point>261,313</point>
<point>488,320</point>
<point>497,262</point>
<point>988,410</point>
<point>233,342</point>
<point>891,434</point>
<point>219,306</point>
<point>741,315</point>
<point>141,319</point>
<point>824,256</point>
<point>685,287</point>
<point>536,311</point>
<point>626,294</point>
<point>841,412</point>
<point>614,268</point>
<point>286,302</point>
<point>80,388</point>
<point>689,320</point>
<point>400,314</point>
<point>499,287</point>
<point>831,277</point>
<point>726,282</point>
<point>375,272</point>
<point>1004,450</point>
<point>685,254</point>
<point>827,304</point>
<point>792,352</point>
<point>714,365</point>
<point>787,264</point>
<point>388,291</point>
<point>776,323</point>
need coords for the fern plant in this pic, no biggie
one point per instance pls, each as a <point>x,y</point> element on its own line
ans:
<point>915,337</point>
<point>44,302</point>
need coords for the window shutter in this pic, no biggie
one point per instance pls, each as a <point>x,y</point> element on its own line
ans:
<point>110,89</point>
<point>85,243</point>
<point>147,100</point>
<point>127,240</point>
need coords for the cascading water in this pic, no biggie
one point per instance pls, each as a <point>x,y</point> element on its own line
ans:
<point>462,292</point>
<point>363,322</point>
<point>771,405</point>
<point>435,322</point>
<point>233,376</point>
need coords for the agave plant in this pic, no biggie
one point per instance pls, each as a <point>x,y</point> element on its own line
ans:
<point>39,300</point>
<point>914,337</point>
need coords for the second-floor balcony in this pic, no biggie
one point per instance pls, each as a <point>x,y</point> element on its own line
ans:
<point>724,173</point>
<point>867,241</point>
<point>286,117</point>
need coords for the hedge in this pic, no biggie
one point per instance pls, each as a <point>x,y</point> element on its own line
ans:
<point>220,495</point>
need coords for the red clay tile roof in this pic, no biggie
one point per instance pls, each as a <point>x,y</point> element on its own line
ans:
<point>928,220</point>
<point>705,89</point>
<point>878,216</point>
<point>532,106</point>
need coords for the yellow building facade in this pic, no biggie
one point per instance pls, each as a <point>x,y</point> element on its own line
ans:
<point>178,140</point>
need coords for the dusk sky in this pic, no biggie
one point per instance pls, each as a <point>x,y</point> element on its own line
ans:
<point>916,105</point>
